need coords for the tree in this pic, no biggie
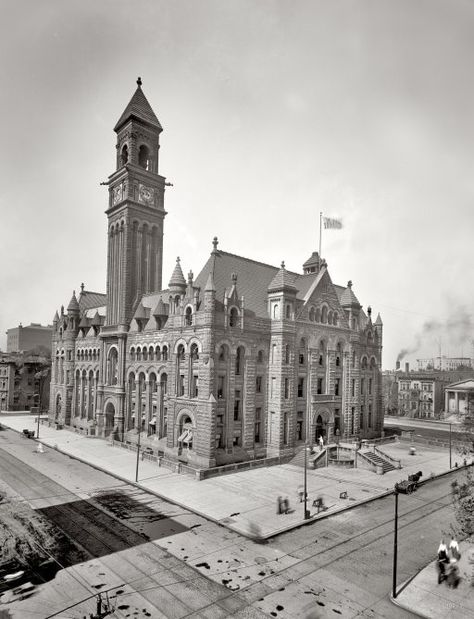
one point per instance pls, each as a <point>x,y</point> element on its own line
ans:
<point>463,492</point>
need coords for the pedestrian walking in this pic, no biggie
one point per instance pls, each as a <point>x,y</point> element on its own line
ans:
<point>442,561</point>
<point>453,577</point>
<point>300,492</point>
<point>454,549</point>
<point>321,441</point>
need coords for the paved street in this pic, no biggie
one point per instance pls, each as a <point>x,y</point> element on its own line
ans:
<point>337,566</point>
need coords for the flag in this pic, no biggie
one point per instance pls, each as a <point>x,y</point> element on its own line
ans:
<point>330,222</point>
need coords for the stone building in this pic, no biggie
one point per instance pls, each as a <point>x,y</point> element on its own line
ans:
<point>246,360</point>
<point>24,381</point>
<point>33,336</point>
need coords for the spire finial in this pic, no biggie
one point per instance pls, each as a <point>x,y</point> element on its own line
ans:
<point>215,243</point>
<point>178,260</point>
<point>82,287</point>
<point>139,82</point>
<point>369,310</point>
<point>349,284</point>
<point>282,264</point>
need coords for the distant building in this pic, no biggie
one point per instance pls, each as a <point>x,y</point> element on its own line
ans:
<point>459,397</point>
<point>21,339</point>
<point>422,394</point>
<point>20,387</point>
<point>444,363</point>
<point>247,360</point>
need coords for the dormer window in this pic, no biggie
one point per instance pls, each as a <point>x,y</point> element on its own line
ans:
<point>144,157</point>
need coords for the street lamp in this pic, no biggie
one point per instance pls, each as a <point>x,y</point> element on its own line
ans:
<point>450,451</point>
<point>306,511</point>
<point>37,395</point>
<point>138,450</point>
<point>395,546</point>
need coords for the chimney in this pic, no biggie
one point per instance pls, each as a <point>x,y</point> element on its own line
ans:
<point>407,367</point>
<point>397,367</point>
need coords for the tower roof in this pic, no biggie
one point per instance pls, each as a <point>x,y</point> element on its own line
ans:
<point>139,108</point>
<point>379,320</point>
<point>283,280</point>
<point>348,297</point>
<point>177,278</point>
<point>73,304</point>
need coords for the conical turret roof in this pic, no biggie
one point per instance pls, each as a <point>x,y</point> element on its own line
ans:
<point>282,280</point>
<point>177,278</point>
<point>73,304</point>
<point>56,317</point>
<point>379,322</point>
<point>139,108</point>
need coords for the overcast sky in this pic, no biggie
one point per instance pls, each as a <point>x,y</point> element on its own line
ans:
<point>272,112</point>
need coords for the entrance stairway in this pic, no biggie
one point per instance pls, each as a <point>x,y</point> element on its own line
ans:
<point>378,461</point>
<point>298,460</point>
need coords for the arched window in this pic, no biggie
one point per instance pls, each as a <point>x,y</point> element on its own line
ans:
<point>145,354</point>
<point>158,353</point>
<point>180,353</point>
<point>164,383</point>
<point>164,353</point>
<point>287,353</point>
<point>288,311</point>
<point>322,353</point>
<point>194,352</point>
<point>238,360</point>
<point>124,155</point>
<point>176,302</point>
<point>373,363</point>
<point>189,316</point>
<point>233,317</point>
<point>276,311</point>
<point>139,354</point>
<point>151,353</point>
<point>335,318</point>
<point>312,314</point>
<point>338,354</point>
<point>317,316</point>
<point>144,157</point>
<point>330,317</point>
<point>363,363</point>
<point>324,315</point>
<point>112,364</point>
<point>302,352</point>
<point>223,353</point>
<point>260,356</point>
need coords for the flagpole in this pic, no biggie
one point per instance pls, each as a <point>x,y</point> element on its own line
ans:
<point>320,234</point>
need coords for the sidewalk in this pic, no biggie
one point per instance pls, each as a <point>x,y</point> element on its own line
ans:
<point>245,502</point>
<point>429,599</point>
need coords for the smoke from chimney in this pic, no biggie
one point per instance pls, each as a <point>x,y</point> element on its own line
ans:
<point>397,366</point>
<point>456,329</point>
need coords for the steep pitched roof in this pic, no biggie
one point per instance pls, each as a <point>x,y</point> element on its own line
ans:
<point>177,277</point>
<point>348,297</point>
<point>253,279</point>
<point>283,280</point>
<point>73,304</point>
<point>139,108</point>
<point>88,300</point>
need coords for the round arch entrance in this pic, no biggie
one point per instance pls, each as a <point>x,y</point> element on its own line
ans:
<point>109,418</point>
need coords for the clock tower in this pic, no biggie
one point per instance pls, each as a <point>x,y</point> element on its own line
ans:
<point>136,212</point>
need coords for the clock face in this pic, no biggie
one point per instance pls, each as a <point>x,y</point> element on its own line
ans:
<point>145,194</point>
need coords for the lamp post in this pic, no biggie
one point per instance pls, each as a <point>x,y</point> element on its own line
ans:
<point>138,450</point>
<point>37,395</point>
<point>306,512</point>
<point>395,546</point>
<point>450,444</point>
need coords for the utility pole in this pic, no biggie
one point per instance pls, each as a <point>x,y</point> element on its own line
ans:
<point>138,450</point>
<point>395,547</point>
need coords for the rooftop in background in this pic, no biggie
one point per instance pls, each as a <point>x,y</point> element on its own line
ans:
<point>27,338</point>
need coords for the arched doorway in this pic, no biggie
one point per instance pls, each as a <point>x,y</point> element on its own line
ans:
<point>185,436</point>
<point>109,418</point>
<point>320,429</point>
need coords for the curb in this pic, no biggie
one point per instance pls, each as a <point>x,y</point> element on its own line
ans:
<point>255,538</point>
<point>408,608</point>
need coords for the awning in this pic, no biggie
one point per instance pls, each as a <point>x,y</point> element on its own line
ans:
<point>189,437</point>
<point>153,422</point>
